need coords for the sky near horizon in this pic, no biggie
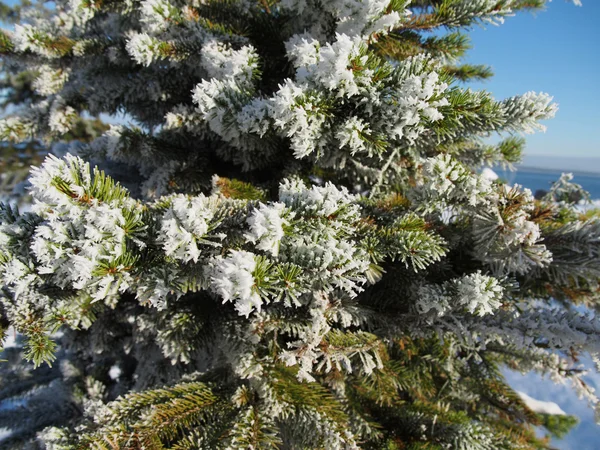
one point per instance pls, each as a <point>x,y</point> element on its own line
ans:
<point>555,51</point>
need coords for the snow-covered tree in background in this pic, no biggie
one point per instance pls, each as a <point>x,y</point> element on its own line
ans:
<point>291,247</point>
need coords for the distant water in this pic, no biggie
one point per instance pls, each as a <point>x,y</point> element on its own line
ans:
<point>543,179</point>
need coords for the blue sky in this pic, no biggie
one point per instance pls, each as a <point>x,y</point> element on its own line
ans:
<point>555,51</point>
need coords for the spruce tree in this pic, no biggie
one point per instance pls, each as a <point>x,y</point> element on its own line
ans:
<point>286,243</point>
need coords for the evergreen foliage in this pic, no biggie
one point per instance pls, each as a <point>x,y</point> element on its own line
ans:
<point>21,86</point>
<point>288,244</point>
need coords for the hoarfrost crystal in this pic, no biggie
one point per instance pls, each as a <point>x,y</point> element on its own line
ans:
<point>480,294</point>
<point>143,48</point>
<point>266,227</point>
<point>232,278</point>
<point>221,61</point>
<point>184,226</point>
